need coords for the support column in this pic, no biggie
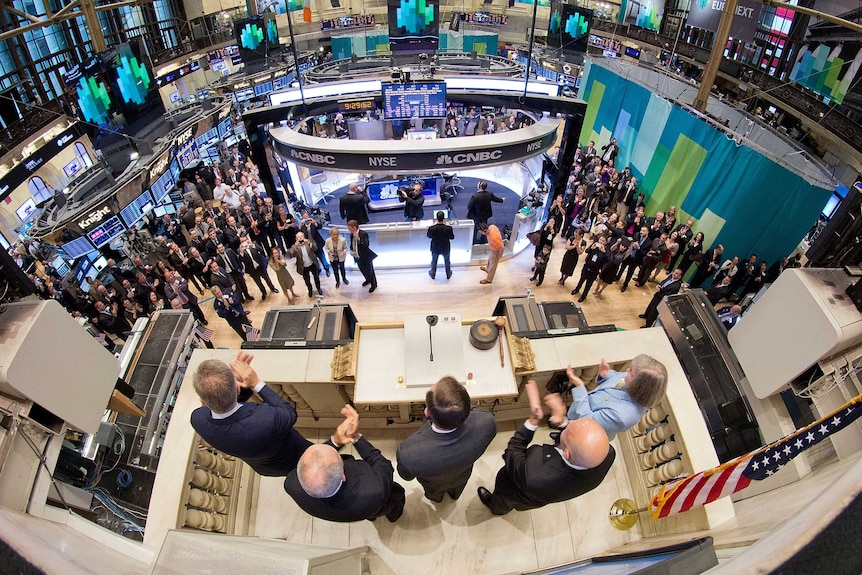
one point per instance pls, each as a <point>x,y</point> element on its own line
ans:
<point>88,7</point>
<point>715,56</point>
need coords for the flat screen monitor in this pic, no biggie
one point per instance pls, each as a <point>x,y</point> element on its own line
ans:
<point>161,186</point>
<point>72,168</point>
<point>418,99</point>
<point>224,129</point>
<point>263,88</point>
<point>138,208</point>
<point>60,265</point>
<point>186,154</point>
<point>107,230</point>
<point>26,210</point>
<point>569,27</point>
<point>414,27</point>
<point>77,248</point>
<point>244,94</point>
<point>175,170</point>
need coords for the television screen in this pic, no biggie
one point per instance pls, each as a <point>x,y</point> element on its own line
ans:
<point>414,26</point>
<point>251,37</point>
<point>26,210</point>
<point>175,170</point>
<point>77,248</point>
<point>419,99</point>
<point>224,129</point>
<point>263,88</point>
<point>138,208</point>
<point>72,168</point>
<point>106,231</point>
<point>186,153</point>
<point>161,186</point>
<point>60,265</point>
<point>569,27</point>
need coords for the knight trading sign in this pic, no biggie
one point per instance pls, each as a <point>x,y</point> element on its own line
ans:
<point>706,14</point>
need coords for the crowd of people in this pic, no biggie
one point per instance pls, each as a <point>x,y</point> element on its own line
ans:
<point>600,219</point>
<point>440,455</point>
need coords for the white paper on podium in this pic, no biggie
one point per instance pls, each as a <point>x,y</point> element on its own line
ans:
<point>448,349</point>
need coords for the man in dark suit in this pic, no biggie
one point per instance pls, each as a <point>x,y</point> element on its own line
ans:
<point>255,265</point>
<point>220,278</point>
<point>413,200</point>
<point>668,287</point>
<point>442,452</point>
<point>197,265</point>
<point>351,205</point>
<point>684,234</point>
<point>262,435</point>
<point>341,488</point>
<point>311,228</point>
<point>719,292</point>
<point>230,263</point>
<point>360,249</point>
<point>479,208</point>
<point>230,233</point>
<point>228,307</point>
<point>177,287</point>
<point>537,475</point>
<point>640,245</point>
<point>440,234</point>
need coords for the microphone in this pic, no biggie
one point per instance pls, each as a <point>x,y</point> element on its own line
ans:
<point>432,321</point>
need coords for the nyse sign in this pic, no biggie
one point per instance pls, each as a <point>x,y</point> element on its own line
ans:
<point>430,156</point>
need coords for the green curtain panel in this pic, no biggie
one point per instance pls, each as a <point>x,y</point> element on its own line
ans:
<point>736,196</point>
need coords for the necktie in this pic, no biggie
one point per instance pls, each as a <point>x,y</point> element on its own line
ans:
<point>180,295</point>
<point>227,265</point>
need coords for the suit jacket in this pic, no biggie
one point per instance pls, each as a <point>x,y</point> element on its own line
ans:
<point>352,207</point>
<point>254,257</point>
<point>180,285</point>
<point>262,435</point>
<point>442,461</point>
<point>363,494</point>
<point>611,407</point>
<point>362,248</point>
<point>538,475</point>
<point>222,279</point>
<point>230,257</point>
<point>440,235</point>
<point>296,252</point>
<point>479,206</point>
<point>668,287</point>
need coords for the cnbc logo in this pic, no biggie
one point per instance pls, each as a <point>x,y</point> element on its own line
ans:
<point>251,36</point>
<point>414,15</point>
<point>577,25</point>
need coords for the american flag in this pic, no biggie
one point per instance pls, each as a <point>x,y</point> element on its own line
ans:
<point>251,333</point>
<point>735,475</point>
<point>204,333</point>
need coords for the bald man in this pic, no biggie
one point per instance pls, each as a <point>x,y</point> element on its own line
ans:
<point>541,474</point>
<point>343,489</point>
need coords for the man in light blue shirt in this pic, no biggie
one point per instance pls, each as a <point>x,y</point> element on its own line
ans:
<point>620,399</point>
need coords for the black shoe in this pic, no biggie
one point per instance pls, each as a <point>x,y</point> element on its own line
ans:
<point>337,285</point>
<point>624,288</point>
<point>582,298</point>
<point>274,290</point>
<point>366,283</point>
<point>347,283</point>
<point>532,279</point>
<point>555,437</point>
<point>263,297</point>
<point>532,269</point>
<point>205,322</point>
<point>371,290</point>
<point>327,273</point>
<point>485,497</point>
<point>642,316</point>
<point>576,291</point>
<point>538,284</point>
<point>448,276</point>
<point>249,298</point>
<point>433,278</point>
<point>310,293</point>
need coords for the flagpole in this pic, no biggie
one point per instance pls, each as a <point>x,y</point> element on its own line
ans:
<point>624,513</point>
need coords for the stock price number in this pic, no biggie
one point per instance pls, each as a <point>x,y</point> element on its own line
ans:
<point>356,106</point>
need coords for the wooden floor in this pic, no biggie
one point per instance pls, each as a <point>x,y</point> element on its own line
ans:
<point>412,291</point>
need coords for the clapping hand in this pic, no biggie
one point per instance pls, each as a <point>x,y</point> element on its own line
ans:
<point>536,413</point>
<point>555,404</point>
<point>574,380</point>
<point>604,368</point>
<point>347,430</point>
<point>245,375</point>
